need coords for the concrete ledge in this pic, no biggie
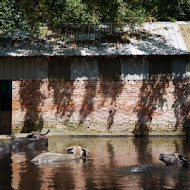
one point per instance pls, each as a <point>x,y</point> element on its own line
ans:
<point>90,133</point>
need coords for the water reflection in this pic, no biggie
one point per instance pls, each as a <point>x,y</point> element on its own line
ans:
<point>5,171</point>
<point>113,163</point>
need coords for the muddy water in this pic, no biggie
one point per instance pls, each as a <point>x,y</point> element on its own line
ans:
<point>113,163</point>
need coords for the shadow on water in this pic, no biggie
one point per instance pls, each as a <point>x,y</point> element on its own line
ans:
<point>5,171</point>
<point>143,149</point>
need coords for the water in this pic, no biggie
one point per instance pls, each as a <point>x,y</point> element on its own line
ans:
<point>113,163</point>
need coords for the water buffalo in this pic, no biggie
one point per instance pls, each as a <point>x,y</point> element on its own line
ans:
<point>23,144</point>
<point>36,134</point>
<point>174,160</point>
<point>74,152</point>
<point>33,141</point>
<point>4,148</point>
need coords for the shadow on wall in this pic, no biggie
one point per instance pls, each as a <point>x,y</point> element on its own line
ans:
<point>110,119</point>
<point>31,100</point>
<point>109,88</point>
<point>182,105</point>
<point>62,96</point>
<point>151,97</point>
<point>88,101</point>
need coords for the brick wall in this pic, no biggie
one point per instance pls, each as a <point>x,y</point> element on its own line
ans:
<point>136,107</point>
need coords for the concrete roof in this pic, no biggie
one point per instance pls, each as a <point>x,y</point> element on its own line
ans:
<point>156,38</point>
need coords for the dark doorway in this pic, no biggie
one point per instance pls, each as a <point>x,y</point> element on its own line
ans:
<point>5,106</point>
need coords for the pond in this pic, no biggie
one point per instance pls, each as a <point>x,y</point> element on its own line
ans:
<point>113,163</point>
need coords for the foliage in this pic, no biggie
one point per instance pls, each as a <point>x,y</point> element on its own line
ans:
<point>167,10</point>
<point>12,16</point>
<point>30,15</point>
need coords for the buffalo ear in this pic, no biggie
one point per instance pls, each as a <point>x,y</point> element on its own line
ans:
<point>182,157</point>
<point>85,151</point>
<point>69,150</point>
<point>183,160</point>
